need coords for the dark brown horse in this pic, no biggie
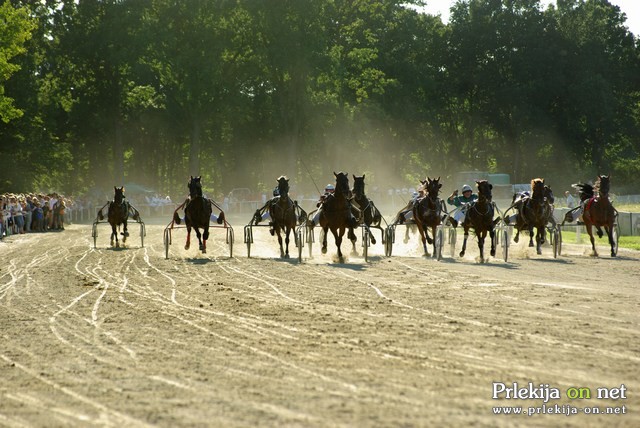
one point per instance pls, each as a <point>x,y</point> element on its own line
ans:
<point>535,211</point>
<point>282,211</point>
<point>599,212</point>
<point>427,213</point>
<point>364,211</point>
<point>336,213</point>
<point>117,215</point>
<point>197,214</point>
<point>479,216</point>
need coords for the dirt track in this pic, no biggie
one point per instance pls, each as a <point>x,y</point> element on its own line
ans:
<point>126,338</point>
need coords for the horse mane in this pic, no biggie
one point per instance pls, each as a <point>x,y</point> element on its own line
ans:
<point>585,190</point>
<point>536,180</point>
<point>598,185</point>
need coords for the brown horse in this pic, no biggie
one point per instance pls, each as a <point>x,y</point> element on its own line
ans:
<point>365,211</point>
<point>282,211</point>
<point>427,212</point>
<point>336,213</point>
<point>535,211</point>
<point>118,214</point>
<point>599,212</point>
<point>479,216</point>
<point>197,214</point>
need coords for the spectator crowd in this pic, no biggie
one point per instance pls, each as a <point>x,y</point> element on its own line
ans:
<point>32,212</point>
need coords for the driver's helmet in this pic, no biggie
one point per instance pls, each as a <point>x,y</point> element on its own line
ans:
<point>330,188</point>
<point>276,192</point>
<point>466,188</point>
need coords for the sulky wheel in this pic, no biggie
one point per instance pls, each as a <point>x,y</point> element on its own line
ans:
<point>230,241</point>
<point>452,240</point>
<point>504,237</point>
<point>167,241</point>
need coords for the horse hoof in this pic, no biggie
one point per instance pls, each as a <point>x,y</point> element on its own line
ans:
<point>117,245</point>
<point>539,252</point>
<point>516,239</point>
<point>373,241</point>
<point>324,250</point>
<point>493,253</point>
<point>461,253</point>
<point>186,247</point>
<point>204,251</point>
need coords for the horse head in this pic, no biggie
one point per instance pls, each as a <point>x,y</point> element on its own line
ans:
<point>195,186</point>
<point>432,186</point>
<point>283,186</point>
<point>118,196</point>
<point>603,184</point>
<point>358,185</point>
<point>548,194</point>
<point>537,189</point>
<point>342,183</point>
<point>484,190</point>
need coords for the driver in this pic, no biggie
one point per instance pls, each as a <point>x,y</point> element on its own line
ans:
<point>462,203</point>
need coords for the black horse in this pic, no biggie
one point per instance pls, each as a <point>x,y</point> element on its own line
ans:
<point>118,214</point>
<point>364,211</point>
<point>479,216</point>
<point>282,211</point>
<point>535,211</point>
<point>336,213</point>
<point>197,214</point>
<point>427,212</point>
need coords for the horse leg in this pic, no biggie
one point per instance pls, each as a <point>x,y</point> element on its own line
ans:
<point>338,235</point>
<point>205,237</point>
<point>531,234</point>
<point>114,234</point>
<point>324,239</point>
<point>188,244</point>
<point>199,235</point>
<point>539,240</point>
<point>609,230</point>
<point>406,234</point>
<point>352,237</point>
<point>423,235</point>
<point>492,235</point>
<point>599,231</point>
<point>286,240</point>
<point>593,241</point>
<point>124,233</point>
<point>277,230</point>
<point>481,237</point>
<point>433,232</point>
<point>464,242</point>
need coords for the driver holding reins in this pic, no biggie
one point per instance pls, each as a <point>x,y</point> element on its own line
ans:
<point>462,203</point>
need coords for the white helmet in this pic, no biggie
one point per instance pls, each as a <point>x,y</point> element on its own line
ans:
<point>466,188</point>
<point>329,188</point>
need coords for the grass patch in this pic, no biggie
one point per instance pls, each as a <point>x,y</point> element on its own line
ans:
<point>630,242</point>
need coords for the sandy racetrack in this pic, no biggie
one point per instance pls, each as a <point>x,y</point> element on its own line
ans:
<point>126,338</point>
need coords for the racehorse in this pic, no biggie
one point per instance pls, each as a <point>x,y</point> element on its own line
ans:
<point>599,212</point>
<point>364,211</point>
<point>427,212</point>
<point>479,216</point>
<point>535,211</point>
<point>283,214</point>
<point>336,213</point>
<point>118,214</point>
<point>197,214</point>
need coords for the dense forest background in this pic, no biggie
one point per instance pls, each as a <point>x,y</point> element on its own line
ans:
<point>98,93</point>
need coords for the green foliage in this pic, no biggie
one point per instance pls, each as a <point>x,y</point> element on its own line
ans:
<point>15,29</point>
<point>241,92</point>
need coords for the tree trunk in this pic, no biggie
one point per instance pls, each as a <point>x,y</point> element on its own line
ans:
<point>194,149</point>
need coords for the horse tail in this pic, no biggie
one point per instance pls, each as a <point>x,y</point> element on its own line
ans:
<point>176,218</point>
